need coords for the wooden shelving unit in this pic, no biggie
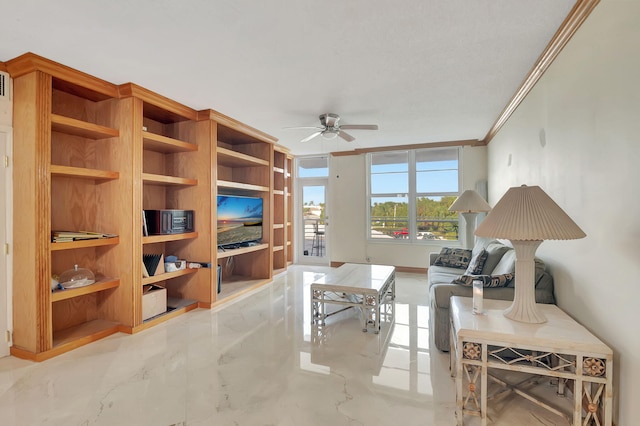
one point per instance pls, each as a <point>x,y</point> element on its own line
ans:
<point>244,158</point>
<point>288,201</point>
<point>173,166</point>
<point>69,159</point>
<point>92,156</point>
<point>279,210</point>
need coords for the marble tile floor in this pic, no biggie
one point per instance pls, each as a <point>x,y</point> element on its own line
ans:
<point>254,361</point>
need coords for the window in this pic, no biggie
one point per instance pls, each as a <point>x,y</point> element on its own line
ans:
<point>410,193</point>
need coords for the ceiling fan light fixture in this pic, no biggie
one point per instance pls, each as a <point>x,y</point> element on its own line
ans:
<point>330,134</point>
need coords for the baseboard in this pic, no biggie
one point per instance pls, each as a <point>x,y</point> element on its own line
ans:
<point>410,269</point>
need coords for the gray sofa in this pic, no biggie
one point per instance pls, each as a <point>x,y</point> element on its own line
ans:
<point>500,258</point>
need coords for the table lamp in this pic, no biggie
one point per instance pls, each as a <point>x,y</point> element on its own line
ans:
<point>469,204</point>
<point>526,216</point>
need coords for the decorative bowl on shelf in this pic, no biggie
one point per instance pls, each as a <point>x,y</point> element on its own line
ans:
<point>76,277</point>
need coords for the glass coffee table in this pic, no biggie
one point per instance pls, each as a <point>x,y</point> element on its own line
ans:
<point>367,287</point>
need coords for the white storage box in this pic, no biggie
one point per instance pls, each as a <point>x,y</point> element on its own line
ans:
<point>154,301</point>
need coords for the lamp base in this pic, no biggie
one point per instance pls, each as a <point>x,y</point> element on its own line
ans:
<point>470,221</point>
<point>524,308</point>
<point>529,314</point>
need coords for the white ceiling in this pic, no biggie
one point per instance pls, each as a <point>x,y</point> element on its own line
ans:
<point>423,70</point>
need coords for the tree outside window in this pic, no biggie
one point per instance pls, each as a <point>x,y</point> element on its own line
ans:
<point>410,192</point>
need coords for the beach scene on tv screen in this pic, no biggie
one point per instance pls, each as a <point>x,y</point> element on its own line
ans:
<point>239,219</point>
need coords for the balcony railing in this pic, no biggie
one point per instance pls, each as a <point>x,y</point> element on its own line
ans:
<point>427,229</point>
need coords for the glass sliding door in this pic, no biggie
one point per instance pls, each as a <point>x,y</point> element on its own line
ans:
<point>313,242</point>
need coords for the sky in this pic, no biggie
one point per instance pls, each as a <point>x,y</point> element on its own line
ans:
<point>239,207</point>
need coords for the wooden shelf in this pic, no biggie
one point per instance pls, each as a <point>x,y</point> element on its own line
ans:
<point>70,293</point>
<point>151,239</point>
<point>242,186</point>
<point>74,127</point>
<point>278,192</point>
<point>168,276</point>
<point>180,307</point>
<point>168,180</point>
<point>278,225</point>
<point>229,158</point>
<point>164,144</point>
<point>82,173</point>
<point>278,170</point>
<point>278,248</point>
<point>98,242</point>
<point>73,337</point>
<point>237,285</point>
<point>241,250</point>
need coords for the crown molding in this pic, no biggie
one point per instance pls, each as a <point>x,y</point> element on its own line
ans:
<point>468,142</point>
<point>579,13</point>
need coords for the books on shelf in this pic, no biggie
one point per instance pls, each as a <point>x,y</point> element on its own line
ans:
<point>66,236</point>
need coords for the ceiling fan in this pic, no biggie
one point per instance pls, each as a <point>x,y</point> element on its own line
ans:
<point>330,128</point>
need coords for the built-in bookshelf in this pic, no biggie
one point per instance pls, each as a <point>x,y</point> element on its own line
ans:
<point>69,158</point>
<point>244,159</point>
<point>288,194</point>
<point>93,156</point>
<point>280,213</point>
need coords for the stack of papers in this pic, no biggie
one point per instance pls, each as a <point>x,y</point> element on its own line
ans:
<point>66,236</point>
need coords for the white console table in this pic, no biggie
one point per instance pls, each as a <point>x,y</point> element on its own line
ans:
<point>559,348</point>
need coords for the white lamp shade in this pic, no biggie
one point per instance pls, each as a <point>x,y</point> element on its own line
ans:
<point>526,216</point>
<point>470,201</point>
<point>527,213</point>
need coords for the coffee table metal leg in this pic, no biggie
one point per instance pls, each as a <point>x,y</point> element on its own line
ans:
<point>317,307</point>
<point>365,313</point>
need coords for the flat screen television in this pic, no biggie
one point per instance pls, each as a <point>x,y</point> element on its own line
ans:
<point>239,220</point>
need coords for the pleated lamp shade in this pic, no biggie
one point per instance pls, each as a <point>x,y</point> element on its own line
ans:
<point>470,201</point>
<point>526,216</point>
<point>527,213</point>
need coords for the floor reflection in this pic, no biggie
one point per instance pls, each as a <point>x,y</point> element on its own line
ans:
<point>253,361</point>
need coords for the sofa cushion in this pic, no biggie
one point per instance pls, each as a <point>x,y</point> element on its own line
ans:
<point>507,264</point>
<point>496,250</point>
<point>442,274</point>
<point>453,257</point>
<point>477,263</point>
<point>502,280</point>
<point>441,293</point>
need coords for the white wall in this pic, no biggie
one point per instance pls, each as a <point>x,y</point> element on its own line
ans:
<point>348,230</point>
<point>587,109</point>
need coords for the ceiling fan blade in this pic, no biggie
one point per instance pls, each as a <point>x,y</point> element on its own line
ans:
<point>346,136</point>
<point>311,136</point>
<point>360,126</point>
<point>304,127</point>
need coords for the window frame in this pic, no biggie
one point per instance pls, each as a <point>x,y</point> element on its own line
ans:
<point>411,196</point>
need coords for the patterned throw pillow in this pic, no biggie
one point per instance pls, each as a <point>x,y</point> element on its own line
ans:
<point>453,258</point>
<point>487,280</point>
<point>477,263</point>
